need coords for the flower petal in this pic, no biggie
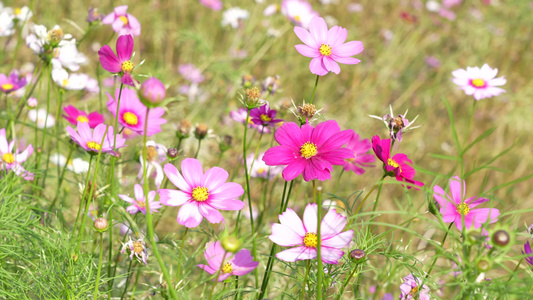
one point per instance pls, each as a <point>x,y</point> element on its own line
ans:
<point>285,236</point>
<point>173,197</point>
<point>295,254</point>
<point>108,60</point>
<point>332,224</point>
<point>310,217</point>
<point>175,177</point>
<point>338,241</point>
<point>124,47</point>
<point>307,51</point>
<point>189,215</point>
<point>305,37</point>
<point>290,219</point>
<point>192,171</point>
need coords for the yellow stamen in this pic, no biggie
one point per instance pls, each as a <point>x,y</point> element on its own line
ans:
<point>82,119</point>
<point>7,86</point>
<point>311,240</point>
<point>138,247</point>
<point>413,290</point>
<point>65,82</point>
<point>17,11</point>
<point>94,146</point>
<point>130,118</point>
<point>124,20</point>
<point>151,153</point>
<point>265,118</point>
<point>308,150</point>
<point>261,170</point>
<point>325,50</point>
<point>478,82</point>
<point>297,18</point>
<point>392,163</point>
<point>141,204</point>
<point>200,194</point>
<point>8,158</point>
<point>227,268</point>
<point>127,66</point>
<point>463,209</point>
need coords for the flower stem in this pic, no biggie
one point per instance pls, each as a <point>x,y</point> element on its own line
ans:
<point>314,90</point>
<point>317,194</point>
<point>305,279</point>
<point>127,280</point>
<point>149,220</point>
<point>61,176</point>
<point>198,148</point>
<point>368,194</point>
<point>377,196</point>
<point>181,252</point>
<point>442,244</point>
<point>97,282</point>
<point>346,282</point>
<point>83,195</point>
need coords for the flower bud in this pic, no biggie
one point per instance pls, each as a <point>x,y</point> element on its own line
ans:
<point>152,92</point>
<point>357,255</point>
<point>501,238</point>
<point>252,98</point>
<point>55,35</point>
<point>225,143</point>
<point>184,129</point>
<point>231,243</point>
<point>201,131</point>
<point>247,81</point>
<point>100,224</point>
<point>483,264</point>
<point>172,153</point>
<point>94,15</point>
<point>32,102</point>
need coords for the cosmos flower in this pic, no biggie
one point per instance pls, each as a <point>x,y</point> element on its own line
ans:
<point>398,166</point>
<point>240,116</point>
<point>73,116</point>
<point>311,151</point>
<point>92,141</point>
<point>122,22</point>
<point>362,158</point>
<point>68,56</point>
<point>234,17</point>
<point>411,286</point>
<point>259,169</point>
<point>299,12</point>
<point>155,155</point>
<point>397,125</point>
<point>6,23</point>
<point>40,39</point>
<point>11,159</point>
<point>139,203</point>
<point>120,63</point>
<point>132,113</point>
<point>215,5</point>
<point>74,82</point>
<point>22,13</point>
<point>191,73</point>
<point>527,251</point>
<point>264,116</point>
<point>137,249</point>
<point>455,207</point>
<point>11,83</point>
<point>292,232</point>
<point>201,194</point>
<point>76,165</point>
<point>327,48</point>
<point>218,259</point>
<point>41,118</point>
<point>479,82</point>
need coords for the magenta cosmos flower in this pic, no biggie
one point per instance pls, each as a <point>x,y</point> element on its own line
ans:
<point>92,141</point>
<point>308,150</point>
<point>139,203</point>
<point>11,83</point>
<point>120,63</point>
<point>122,22</point>
<point>218,259</point>
<point>455,207</point>
<point>73,116</point>
<point>264,116</point>
<point>362,158</point>
<point>411,289</point>
<point>11,159</point>
<point>527,251</point>
<point>240,116</point>
<point>481,83</point>
<point>398,166</point>
<point>292,232</point>
<point>215,5</point>
<point>132,113</point>
<point>327,48</point>
<point>201,195</point>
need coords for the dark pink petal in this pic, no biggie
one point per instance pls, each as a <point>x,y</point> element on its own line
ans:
<point>307,132</point>
<point>331,65</point>
<point>319,30</point>
<point>474,201</point>
<point>214,178</point>
<point>332,224</point>
<point>284,236</point>
<point>310,217</point>
<point>348,49</point>
<point>189,215</point>
<point>279,155</point>
<point>336,141</point>
<point>381,148</point>
<point>339,241</point>
<point>124,47</point>
<point>295,254</point>
<point>305,37</point>
<point>307,51</point>
<point>192,171</point>
<point>128,79</point>
<point>458,189</point>
<point>290,219</point>
<point>290,135</point>
<point>294,169</point>
<point>175,177</point>
<point>331,255</point>
<point>324,130</point>
<point>95,118</point>
<point>229,190</point>
<point>211,214</point>
<point>108,60</point>
<point>173,197</point>
<point>317,67</point>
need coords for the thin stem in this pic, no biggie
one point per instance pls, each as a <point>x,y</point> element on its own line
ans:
<point>61,176</point>
<point>377,196</point>
<point>442,244</point>
<point>97,282</point>
<point>338,181</point>
<point>305,279</point>
<point>314,90</point>
<point>237,294</point>
<point>135,283</point>
<point>216,280</point>
<point>346,282</point>
<point>181,252</point>
<point>84,191</point>
<point>516,268</point>
<point>127,280</point>
<point>317,193</point>
<point>198,149</point>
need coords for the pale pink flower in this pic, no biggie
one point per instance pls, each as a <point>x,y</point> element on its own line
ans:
<point>327,47</point>
<point>479,82</point>
<point>212,4</point>
<point>410,289</point>
<point>92,141</point>
<point>299,12</point>
<point>11,159</point>
<point>218,259</point>
<point>139,203</point>
<point>122,22</point>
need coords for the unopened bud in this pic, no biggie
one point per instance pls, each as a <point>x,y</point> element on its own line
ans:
<point>55,35</point>
<point>172,153</point>
<point>152,91</point>
<point>307,111</point>
<point>357,255</point>
<point>225,144</point>
<point>201,131</point>
<point>32,102</point>
<point>184,129</point>
<point>252,98</point>
<point>231,243</point>
<point>501,238</point>
<point>248,80</point>
<point>483,264</point>
<point>100,224</point>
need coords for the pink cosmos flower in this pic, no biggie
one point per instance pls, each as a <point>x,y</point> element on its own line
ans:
<point>327,48</point>
<point>479,82</point>
<point>155,155</point>
<point>292,232</point>
<point>201,194</point>
<point>11,159</point>
<point>240,116</point>
<point>191,73</point>
<point>299,12</point>
<point>411,286</point>
<point>308,150</point>
<point>139,203</point>
<point>218,259</point>
<point>120,63</point>
<point>73,116</point>
<point>527,251</point>
<point>398,166</point>
<point>454,207</point>
<point>264,116</point>
<point>215,5</point>
<point>259,169</point>
<point>122,22</point>
<point>11,83</point>
<point>132,113</point>
<point>362,159</point>
<point>91,141</point>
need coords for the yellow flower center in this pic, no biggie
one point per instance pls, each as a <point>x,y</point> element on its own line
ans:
<point>94,146</point>
<point>249,120</point>
<point>261,170</point>
<point>413,290</point>
<point>227,268</point>
<point>310,240</point>
<point>265,118</point>
<point>17,11</point>
<point>151,153</point>
<point>478,82</point>
<point>130,118</point>
<point>463,209</point>
<point>138,247</point>
<point>65,82</point>
<point>8,158</point>
<point>308,150</point>
<point>325,50</point>
<point>297,18</point>
<point>124,20</point>
<point>7,86</point>
<point>141,204</point>
<point>127,66</point>
<point>82,119</point>
<point>392,163</point>
<point>200,193</point>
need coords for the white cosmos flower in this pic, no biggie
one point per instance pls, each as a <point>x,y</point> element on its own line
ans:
<point>39,116</point>
<point>6,24</point>
<point>69,81</point>
<point>233,16</point>
<point>76,165</point>
<point>23,13</point>
<point>69,57</point>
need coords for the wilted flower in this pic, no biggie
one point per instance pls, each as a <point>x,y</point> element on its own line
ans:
<point>139,203</point>
<point>480,82</point>
<point>411,288</point>
<point>94,15</point>
<point>218,259</point>
<point>396,125</point>
<point>122,22</point>
<point>137,248</point>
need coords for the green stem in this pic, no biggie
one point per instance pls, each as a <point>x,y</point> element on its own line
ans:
<point>181,252</point>
<point>346,282</point>
<point>305,279</point>
<point>314,90</point>
<point>135,283</point>
<point>127,280</point>
<point>377,196</point>
<point>442,244</point>
<point>338,181</point>
<point>61,176</point>
<point>198,149</point>
<point>97,282</point>
<point>516,268</point>
<point>215,280</point>
<point>237,294</point>
<point>149,221</point>
<point>317,194</point>
<point>84,192</point>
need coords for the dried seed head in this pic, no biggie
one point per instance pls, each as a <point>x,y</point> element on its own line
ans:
<point>307,111</point>
<point>184,129</point>
<point>201,131</point>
